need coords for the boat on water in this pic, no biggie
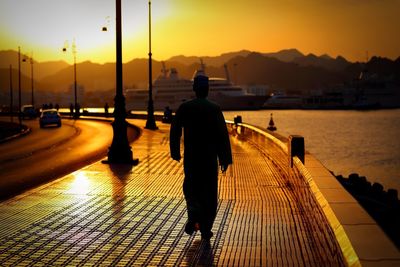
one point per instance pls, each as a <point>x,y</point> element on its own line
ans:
<point>170,90</point>
<point>368,91</point>
<point>283,101</point>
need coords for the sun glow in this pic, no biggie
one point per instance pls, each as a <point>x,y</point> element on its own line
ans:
<point>201,28</point>
<point>48,25</point>
<point>81,184</point>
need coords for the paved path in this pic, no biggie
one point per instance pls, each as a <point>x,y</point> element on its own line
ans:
<point>122,215</point>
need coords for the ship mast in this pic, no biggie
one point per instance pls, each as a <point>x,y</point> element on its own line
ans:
<point>228,78</point>
<point>202,65</point>
<point>164,70</point>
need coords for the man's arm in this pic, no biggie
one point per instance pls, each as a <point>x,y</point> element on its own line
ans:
<point>224,145</point>
<point>175,137</point>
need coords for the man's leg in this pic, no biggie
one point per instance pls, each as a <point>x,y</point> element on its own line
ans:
<point>192,205</point>
<point>209,205</point>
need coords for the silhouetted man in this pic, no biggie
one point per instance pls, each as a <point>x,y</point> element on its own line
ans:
<point>206,141</point>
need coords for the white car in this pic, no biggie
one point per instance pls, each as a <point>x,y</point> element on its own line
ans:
<point>50,116</point>
<point>28,111</point>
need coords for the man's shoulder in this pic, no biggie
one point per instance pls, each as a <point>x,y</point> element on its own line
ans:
<point>200,102</point>
<point>213,104</point>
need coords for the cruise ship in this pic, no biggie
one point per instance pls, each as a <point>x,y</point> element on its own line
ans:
<point>169,90</point>
<point>282,101</point>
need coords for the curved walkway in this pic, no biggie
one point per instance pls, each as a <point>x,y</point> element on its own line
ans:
<point>122,215</point>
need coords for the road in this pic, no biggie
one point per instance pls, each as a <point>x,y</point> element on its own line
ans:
<point>51,152</point>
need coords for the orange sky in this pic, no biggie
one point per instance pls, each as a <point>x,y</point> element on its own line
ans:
<point>201,28</point>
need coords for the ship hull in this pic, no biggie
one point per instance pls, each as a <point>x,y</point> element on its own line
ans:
<point>250,102</point>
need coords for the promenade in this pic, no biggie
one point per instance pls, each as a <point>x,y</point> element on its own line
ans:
<point>119,215</point>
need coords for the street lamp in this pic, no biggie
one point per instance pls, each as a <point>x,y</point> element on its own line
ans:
<point>119,151</point>
<point>105,28</point>
<point>76,115</point>
<point>11,94</point>
<point>151,122</point>
<point>30,62</point>
<point>19,86</point>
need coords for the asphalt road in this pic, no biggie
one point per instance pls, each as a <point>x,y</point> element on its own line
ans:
<point>51,152</point>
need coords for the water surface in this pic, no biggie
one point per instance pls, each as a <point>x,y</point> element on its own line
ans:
<point>365,142</point>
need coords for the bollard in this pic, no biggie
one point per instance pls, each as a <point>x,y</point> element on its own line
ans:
<point>296,148</point>
<point>237,119</point>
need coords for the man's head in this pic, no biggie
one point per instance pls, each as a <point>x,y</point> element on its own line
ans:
<point>200,86</point>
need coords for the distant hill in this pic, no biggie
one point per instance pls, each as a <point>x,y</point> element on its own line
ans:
<point>101,77</point>
<point>5,80</point>
<point>286,55</point>
<point>26,86</point>
<point>40,69</point>
<point>44,69</point>
<point>259,69</point>
<point>287,70</point>
<point>92,76</point>
<point>384,66</point>
<point>216,61</point>
<point>324,61</point>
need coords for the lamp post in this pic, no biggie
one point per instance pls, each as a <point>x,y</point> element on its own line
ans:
<point>151,122</point>
<point>11,95</point>
<point>31,62</point>
<point>76,114</point>
<point>19,86</point>
<point>119,151</point>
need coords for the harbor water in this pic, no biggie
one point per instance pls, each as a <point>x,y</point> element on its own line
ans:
<point>363,142</point>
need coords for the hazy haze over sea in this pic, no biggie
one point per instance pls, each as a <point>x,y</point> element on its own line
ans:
<point>364,142</point>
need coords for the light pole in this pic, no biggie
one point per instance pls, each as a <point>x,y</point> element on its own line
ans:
<point>119,151</point>
<point>31,62</point>
<point>11,95</point>
<point>19,86</point>
<point>151,122</point>
<point>76,115</point>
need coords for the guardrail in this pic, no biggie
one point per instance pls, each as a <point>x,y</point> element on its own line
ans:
<point>361,240</point>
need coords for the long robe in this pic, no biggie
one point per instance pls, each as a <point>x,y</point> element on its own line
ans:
<point>206,141</point>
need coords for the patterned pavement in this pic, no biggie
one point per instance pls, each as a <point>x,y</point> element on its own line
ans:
<point>118,215</point>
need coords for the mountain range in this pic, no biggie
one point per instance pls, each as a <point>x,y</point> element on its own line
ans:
<point>288,70</point>
<point>287,55</point>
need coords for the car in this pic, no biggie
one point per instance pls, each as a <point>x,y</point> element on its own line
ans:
<point>50,116</point>
<point>28,111</point>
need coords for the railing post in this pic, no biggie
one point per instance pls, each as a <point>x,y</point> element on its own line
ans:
<point>237,119</point>
<point>296,148</point>
<point>239,129</point>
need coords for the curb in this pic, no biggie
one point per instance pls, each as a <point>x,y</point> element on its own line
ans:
<point>110,120</point>
<point>26,130</point>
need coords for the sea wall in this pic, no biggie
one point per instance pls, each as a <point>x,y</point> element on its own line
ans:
<point>383,205</point>
<point>361,239</point>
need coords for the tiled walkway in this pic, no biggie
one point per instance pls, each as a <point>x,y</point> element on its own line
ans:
<point>121,215</point>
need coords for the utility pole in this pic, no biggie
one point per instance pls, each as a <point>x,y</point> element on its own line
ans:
<point>33,100</point>
<point>11,94</point>
<point>32,86</point>
<point>19,87</point>
<point>75,83</point>
<point>76,114</point>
